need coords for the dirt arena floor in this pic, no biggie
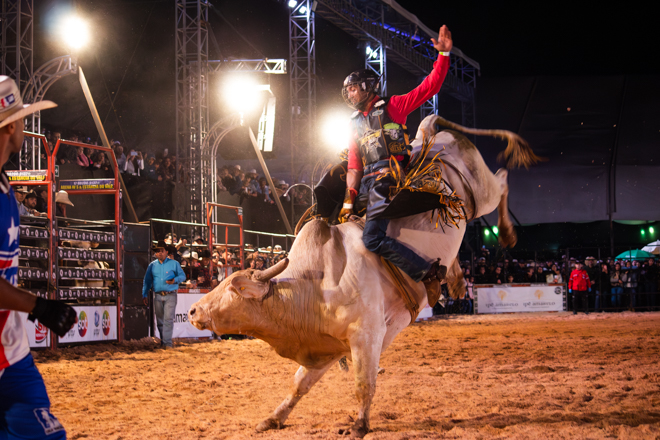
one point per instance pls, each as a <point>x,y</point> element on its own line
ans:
<point>540,376</point>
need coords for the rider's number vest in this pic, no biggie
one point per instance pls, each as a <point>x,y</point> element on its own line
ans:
<point>378,137</point>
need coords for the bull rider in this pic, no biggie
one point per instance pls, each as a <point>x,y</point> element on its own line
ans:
<point>379,133</point>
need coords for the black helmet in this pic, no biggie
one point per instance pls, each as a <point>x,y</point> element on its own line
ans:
<point>367,80</point>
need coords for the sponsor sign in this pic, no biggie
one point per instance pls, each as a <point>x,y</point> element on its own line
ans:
<point>507,298</point>
<point>38,334</point>
<point>95,323</point>
<point>87,184</point>
<point>27,175</point>
<point>182,328</point>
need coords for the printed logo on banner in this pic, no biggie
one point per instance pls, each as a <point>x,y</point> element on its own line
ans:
<point>40,332</point>
<point>97,318</point>
<point>501,294</point>
<point>82,323</point>
<point>538,294</point>
<point>106,322</point>
<point>557,290</point>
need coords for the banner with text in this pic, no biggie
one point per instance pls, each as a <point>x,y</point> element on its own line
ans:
<point>507,298</point>
<point>26,175</point>
<point>68,185</point>
<point>182,328</point>
<point>95,323</point>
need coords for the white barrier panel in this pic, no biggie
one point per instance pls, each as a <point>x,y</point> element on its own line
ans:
<point>38,335</point>
<point>425,313</point>
<point>95,323</point>
<point>511,298</point>
<point>182,328</point>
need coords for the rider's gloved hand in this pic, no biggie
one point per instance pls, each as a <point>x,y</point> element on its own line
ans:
<point>570,290</point>
<point>347,209</point>
<point>55,315</point>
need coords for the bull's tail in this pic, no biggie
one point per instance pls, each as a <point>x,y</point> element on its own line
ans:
<point>517,153</point>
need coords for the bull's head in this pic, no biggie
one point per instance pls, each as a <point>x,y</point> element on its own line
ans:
<point>230,307</point>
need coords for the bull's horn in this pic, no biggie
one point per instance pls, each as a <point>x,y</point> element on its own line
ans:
<point>265,275</point>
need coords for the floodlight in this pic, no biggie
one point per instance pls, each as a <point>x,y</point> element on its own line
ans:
<point>651,230</point>
<point>303,9</point>
<point>336,132</point>
<point>293,3</point>
<point>74,32</point>
<point>369,50</point>
<point>486,232</point>
<point>496,230</point>
<point>242,93</point>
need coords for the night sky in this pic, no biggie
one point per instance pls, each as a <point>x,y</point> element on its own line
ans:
<point>131,59</point>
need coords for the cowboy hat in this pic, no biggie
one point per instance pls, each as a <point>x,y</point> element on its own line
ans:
<point>12,108</point>
<point>63,197</point>
<point>160,245</point>
<point>21,189</point>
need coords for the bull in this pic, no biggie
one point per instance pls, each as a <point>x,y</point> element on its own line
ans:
<point>332,298</point>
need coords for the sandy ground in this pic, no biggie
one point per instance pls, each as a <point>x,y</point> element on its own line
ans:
<point>550,376</point>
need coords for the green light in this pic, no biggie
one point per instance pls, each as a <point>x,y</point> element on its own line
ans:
<point>643,232</point>
<point>496,230</point>
<point>486,232</point>
<point>651,230</point>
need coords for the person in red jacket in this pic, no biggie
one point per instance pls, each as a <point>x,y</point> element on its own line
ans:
<point>578,285</point>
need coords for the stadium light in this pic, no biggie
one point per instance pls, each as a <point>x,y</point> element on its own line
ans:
<point>643,232</point>
<point>74,31</point>
<point>336,130</point>
<point>496,230</point>
<point>369,51</point>
<point>242,94</point>
<point>293,3</point>
<point>651,230</point>
<point>486,232</point>
<point>303,9</point>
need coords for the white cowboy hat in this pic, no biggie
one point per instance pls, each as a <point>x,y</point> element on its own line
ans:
<point>63,197</point>
<point>11,104</point>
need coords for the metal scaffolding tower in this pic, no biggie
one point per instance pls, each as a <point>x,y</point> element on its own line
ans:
<point>397,35</point>
<point>192,110</point>
<point>302,63</point>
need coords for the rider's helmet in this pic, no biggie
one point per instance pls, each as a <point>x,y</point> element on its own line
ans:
<point>367,80</point>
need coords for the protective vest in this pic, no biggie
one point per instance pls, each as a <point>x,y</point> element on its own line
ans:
<point>378,137</point>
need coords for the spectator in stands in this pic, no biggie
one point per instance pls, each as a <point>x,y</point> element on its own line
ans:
<point>121,157</point>
<point>497,277</point>
<point>166,170</point>
<point>21,192</point>
<point>89,152</point>
<point>134,163</point>
<point>481,277</point>
<point>101,161</point>
<point>602,285</point>
<point>616,286</point>
<point>554,276</point>
<point>540,274</point>
<point>151,168</point>
<point>30,203</point>
<point>81,158</point>
<point>530,275</point>
<point>61,201</point>
<point>204,273</point>
<point>42,199</point>
<point>578,285</point>
<point>510,279</point>
<point>650,277</point>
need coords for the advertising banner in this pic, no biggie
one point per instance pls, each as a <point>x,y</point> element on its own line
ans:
<point>508,298</point>
<point>182,328</point>
<point>27,175</point>
<point>87,184</point>
<point>38,335</point>
<point>95,323</point>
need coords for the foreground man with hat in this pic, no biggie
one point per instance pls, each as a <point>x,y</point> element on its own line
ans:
<point>163,276</point>
<point>24,404</point>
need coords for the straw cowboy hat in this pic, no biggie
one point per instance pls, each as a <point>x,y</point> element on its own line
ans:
<point>12,108</point>
<point>63,197</point>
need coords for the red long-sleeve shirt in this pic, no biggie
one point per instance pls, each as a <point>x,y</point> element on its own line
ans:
<point>400,106</point>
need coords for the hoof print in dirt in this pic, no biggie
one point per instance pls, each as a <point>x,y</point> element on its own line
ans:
<point>269,424</point>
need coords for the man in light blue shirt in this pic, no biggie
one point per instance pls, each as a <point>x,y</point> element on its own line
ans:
<point>163,276</point>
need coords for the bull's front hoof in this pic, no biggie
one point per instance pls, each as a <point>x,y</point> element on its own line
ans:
<point>269,424</point>
<point>359,429</point>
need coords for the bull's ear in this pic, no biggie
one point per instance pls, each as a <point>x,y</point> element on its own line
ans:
<point>247,288</point>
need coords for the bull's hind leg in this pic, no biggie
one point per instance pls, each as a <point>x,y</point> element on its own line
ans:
<point>507,234</point>
<point>303,381</point>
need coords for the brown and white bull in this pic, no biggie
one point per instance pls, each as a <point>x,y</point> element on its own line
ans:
<point>333,298</point>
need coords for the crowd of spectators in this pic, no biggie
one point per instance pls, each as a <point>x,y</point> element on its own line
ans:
<point>205,268</point>
<point>614,284</point>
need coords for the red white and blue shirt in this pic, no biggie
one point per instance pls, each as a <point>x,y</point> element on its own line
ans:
<point>14,344</point>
